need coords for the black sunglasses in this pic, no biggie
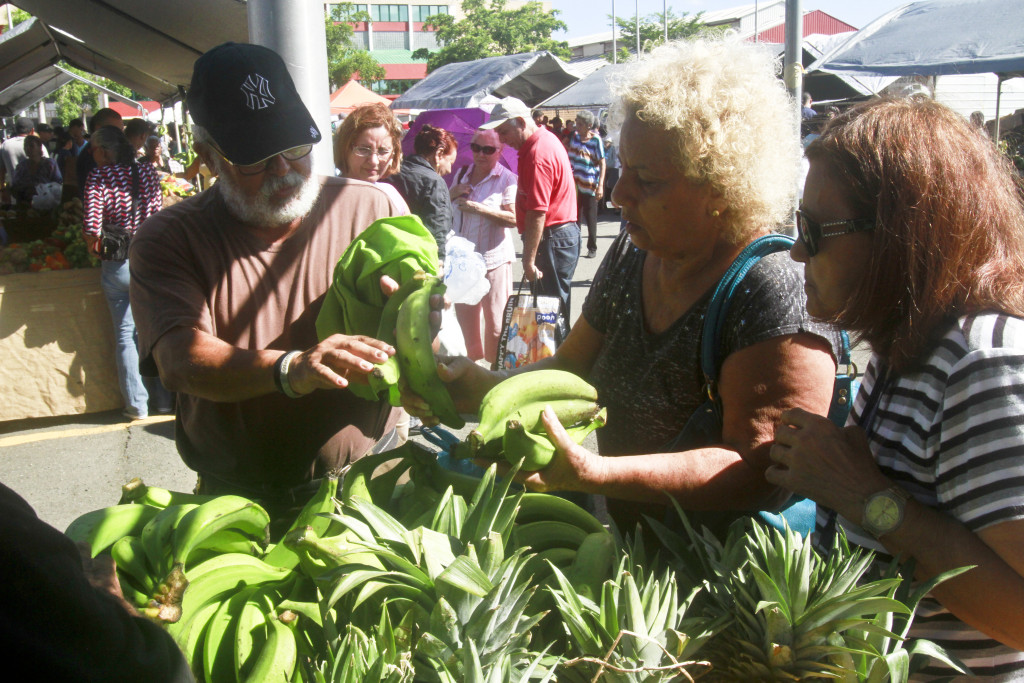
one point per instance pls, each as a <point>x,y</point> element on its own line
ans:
<point>811,233</point>
<point>488,150</point>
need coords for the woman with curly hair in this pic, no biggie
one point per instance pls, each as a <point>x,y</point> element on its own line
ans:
<point>709,161</point>
<point>912,235</point>
<point>420,181</point>
<point>368,147</point>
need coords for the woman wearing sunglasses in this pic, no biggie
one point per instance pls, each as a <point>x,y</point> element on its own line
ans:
<point>368,147</point>
<point>912,236</point>
<point>484,203</point>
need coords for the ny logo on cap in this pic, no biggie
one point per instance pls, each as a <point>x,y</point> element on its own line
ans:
<point>257,92</point>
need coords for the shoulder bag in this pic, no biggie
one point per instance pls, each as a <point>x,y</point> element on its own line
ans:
<point>115,239</point>
<point>704,428</point>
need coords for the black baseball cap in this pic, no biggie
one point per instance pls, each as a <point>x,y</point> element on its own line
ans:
<point>23,125</point>
<point>245,98</point>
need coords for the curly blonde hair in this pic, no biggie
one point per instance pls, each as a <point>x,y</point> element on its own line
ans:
<point>734,124</point>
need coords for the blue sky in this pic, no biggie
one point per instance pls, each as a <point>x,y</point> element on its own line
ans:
<point>585,17</point>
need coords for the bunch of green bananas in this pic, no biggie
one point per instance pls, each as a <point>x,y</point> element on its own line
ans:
<point>405,324</point>
<point>202,566</point>
<point>510,417</point>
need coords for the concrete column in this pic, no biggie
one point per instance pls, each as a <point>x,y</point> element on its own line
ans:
<point>295,30</point>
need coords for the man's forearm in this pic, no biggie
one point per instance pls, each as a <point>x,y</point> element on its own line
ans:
<point>201,365</point>
<point>533,230</point>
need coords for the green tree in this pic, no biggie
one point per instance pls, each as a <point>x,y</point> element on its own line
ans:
<point>492,30</point>
<point>652,31</point>
<point>80,100</point>
<point>343,59</point>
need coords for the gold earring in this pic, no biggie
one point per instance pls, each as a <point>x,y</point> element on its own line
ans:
<point>715,213</point>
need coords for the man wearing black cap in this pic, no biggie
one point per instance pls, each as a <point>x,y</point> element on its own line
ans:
<point>227,285</point>
<point>12,152</point>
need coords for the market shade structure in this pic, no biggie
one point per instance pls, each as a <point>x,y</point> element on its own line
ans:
<point>31,89</point>
<point>591,91</point>
<point>936,38</point>
<point>351,95</point>
<point>531,76</point>
<point>147,46</point>
<point>461,123</point>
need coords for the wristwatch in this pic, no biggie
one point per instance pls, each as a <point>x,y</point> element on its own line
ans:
<point>883,511</point>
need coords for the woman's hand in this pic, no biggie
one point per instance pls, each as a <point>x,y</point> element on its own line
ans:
<point>459,190</point>
<point>834,467</point>
<point>466,381</point>
<point>569,465</point>
<point>92,244</point>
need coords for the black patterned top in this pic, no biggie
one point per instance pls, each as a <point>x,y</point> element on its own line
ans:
<point>652,383</point>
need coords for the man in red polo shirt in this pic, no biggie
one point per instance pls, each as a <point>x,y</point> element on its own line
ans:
<point>545,200</point>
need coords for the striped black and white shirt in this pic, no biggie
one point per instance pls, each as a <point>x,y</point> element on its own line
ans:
<point>951,433</point>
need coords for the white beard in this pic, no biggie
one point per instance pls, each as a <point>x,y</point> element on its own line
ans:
<point>258,210</point>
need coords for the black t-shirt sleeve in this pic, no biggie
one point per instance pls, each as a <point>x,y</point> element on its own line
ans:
<point>58,625</point>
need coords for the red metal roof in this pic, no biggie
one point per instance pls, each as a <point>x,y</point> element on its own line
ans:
<point>129,111</point>
<point>404,71</point>
<point>814,22</point>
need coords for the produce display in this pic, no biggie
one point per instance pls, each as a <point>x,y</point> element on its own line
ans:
<point>64,248</point>
<point>449,578</point>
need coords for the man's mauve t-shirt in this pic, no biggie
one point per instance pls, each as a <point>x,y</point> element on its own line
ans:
<point>194,265</point>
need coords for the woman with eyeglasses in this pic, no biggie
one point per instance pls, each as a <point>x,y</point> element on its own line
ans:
<point>484,200</point>
<point>368,147</point>
<point>912,235</point>
<point>420,181</point>
<point>709,163</point>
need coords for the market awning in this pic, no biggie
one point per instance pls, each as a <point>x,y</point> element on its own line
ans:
<point>30,90</point>
<point>935,38</point>
<point>531,76</point>
<point>351,95</point>
<point>146,46</point>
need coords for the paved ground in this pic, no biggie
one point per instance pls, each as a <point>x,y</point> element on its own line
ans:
<point>67,466</point>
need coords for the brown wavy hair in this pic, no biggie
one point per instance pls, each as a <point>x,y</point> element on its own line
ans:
<point>376,115</point>
<point>949,215</point>
<point>430,138</point>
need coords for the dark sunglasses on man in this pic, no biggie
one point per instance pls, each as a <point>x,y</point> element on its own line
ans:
<point>488,150</point>
<point>811,233</point>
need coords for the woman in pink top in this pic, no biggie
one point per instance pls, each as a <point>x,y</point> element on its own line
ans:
<point>483,199</point>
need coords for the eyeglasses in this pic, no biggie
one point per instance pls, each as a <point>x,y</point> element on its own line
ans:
<point>293,154</point>
<point>811,233</point>
<point>488,150</point>
<point>363,151</point>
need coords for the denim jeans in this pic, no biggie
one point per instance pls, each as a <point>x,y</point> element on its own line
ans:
<point>114,282</point>
<point>557,254</point>
<point>586,207</point>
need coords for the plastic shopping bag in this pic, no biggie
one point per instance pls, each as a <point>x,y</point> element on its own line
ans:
<point>532,328</point>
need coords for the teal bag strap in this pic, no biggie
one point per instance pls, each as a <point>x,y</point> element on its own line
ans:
<point>799,514</point>
<point>714,319</point>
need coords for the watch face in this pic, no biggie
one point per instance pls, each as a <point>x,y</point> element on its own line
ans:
<point>883,513</point>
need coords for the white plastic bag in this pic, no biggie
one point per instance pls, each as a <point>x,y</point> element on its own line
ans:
<point>465,271</point>
<point>47,196</point>
<point>465,274</point>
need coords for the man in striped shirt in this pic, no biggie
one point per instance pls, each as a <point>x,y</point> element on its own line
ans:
<point>586,152</point>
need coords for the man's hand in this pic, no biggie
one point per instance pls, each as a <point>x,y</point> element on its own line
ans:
<point>531,272</point>
<point>336,362</point>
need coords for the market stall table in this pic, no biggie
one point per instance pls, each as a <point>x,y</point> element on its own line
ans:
<point>57,345</point>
